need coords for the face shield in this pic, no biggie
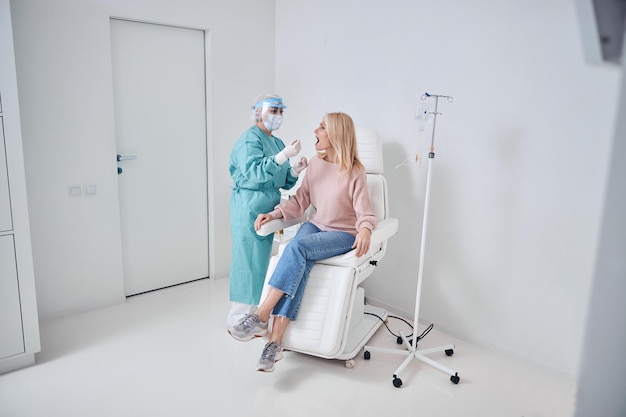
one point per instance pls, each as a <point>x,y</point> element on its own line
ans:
<point>270,112</point>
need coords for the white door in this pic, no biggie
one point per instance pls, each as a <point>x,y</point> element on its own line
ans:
<point>160,117</point>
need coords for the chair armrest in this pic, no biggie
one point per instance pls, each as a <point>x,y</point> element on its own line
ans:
<point>383,231</point>
<point>280,224</point>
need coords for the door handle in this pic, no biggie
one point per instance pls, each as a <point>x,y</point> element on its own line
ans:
<point>126,157</point>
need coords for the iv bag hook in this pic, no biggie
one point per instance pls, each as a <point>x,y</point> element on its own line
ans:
<point>425,96</point>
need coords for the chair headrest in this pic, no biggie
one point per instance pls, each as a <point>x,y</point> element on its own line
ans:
<point>370,150</point>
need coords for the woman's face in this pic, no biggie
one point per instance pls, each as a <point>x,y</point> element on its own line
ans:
<point>322,143</point>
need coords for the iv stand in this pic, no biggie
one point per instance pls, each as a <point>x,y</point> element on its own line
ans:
<point>411,345</point>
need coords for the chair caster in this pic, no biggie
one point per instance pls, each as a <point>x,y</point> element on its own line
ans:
<point>455,378</point>
<point>397,382</point>
<point>449,352</point>
<point>400,341</point>
<point>367,355</point>
<point>350,363</point>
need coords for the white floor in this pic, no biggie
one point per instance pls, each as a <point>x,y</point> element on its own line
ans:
<point>167,353</point>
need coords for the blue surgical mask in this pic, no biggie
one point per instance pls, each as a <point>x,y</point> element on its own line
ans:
<point>273,122</point>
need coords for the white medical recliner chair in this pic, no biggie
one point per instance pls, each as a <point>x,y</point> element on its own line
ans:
<point>333,320</point>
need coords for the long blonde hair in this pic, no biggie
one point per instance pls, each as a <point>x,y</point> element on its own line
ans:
<point>342,137</point>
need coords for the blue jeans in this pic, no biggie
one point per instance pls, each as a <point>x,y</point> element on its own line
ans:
<point>292,272</point>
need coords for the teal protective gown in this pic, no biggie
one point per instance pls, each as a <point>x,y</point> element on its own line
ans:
<point>257,180</point>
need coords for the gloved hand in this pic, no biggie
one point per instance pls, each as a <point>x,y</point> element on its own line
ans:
<point>299,167</point>
<point>290,151</point>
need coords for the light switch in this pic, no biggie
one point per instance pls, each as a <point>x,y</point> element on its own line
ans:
<point>75,190</point>
<point>90,189</point>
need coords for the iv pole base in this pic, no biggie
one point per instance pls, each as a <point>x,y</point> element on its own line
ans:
<point>412,353</point>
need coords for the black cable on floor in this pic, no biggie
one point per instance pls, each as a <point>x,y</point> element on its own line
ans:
<point>420,337</point>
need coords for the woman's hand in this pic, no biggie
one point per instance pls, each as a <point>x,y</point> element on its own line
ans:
<point>362,241</point>
<point>261,219</point>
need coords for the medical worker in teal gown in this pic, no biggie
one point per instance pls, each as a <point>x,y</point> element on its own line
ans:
<point>260,168</point>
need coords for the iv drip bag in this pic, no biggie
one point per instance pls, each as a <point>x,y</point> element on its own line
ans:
<point>422,113</point>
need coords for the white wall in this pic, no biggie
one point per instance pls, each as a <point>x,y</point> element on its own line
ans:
<point>66,99</point>
<point>521,154</point>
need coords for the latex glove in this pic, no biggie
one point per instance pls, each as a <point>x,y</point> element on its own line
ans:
<point>290,151</point>
<point>299,167</point>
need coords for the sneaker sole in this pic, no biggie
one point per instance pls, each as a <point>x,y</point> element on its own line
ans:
<point>248,338</point>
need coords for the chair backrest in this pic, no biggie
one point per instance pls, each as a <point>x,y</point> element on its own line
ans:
<point>370,150</point>
<point>371,155</point>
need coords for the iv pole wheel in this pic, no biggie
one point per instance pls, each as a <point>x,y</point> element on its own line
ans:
<point>397,382</point>
<point>455,378</point>
<point>367,355</point>
<point>449,352</point>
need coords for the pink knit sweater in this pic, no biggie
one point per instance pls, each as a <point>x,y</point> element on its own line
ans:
<point>342,202</point>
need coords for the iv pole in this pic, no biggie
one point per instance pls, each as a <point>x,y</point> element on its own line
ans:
<point>411,345</point>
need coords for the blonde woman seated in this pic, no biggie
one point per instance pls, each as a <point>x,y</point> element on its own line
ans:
<point>335,184</point>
